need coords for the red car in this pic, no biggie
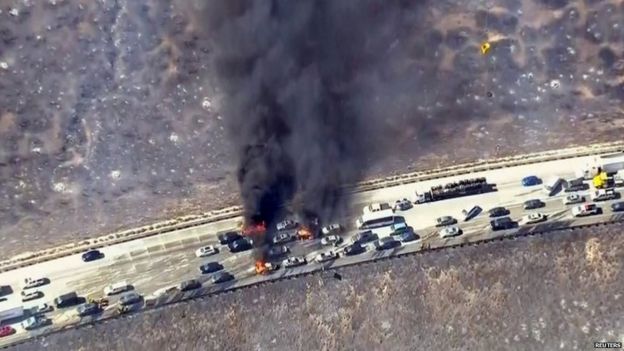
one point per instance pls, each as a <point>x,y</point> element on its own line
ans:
<point>6,330</point>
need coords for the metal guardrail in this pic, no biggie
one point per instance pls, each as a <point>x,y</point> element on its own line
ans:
<point>236,211</point>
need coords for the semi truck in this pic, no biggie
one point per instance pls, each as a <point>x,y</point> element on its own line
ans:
<point>456,189</point>
<point>609,164</point>
<point>11,313</point>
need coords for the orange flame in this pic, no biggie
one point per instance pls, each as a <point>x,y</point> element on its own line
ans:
<point>304,233</point>
<point>255,229</point>
<point>261,267</point>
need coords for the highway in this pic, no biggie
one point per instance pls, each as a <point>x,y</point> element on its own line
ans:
<point>164,260</point>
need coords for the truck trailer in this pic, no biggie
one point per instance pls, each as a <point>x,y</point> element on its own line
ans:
<point>452,190</point>
<point>609,164</point>
<point>11,313</point>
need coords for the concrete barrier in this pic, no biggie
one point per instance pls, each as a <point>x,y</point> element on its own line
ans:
<point>236,211</point>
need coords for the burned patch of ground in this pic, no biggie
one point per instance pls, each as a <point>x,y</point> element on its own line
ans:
<point>561,290</point>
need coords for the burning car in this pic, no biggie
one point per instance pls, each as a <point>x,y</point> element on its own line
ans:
<point>305,233</point>
<point>265,267</point>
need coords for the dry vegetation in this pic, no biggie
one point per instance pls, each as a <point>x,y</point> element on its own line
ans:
<point>562,290</point>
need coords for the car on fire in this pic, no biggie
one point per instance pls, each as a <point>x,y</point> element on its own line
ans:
<point>286,225</point>
<point>265,267</point>
<point>332,229</point>
<point>294,261</point>
<point>326,256</point>
<point>210,267</point>
<point>282,238</point>
<point>331,240</point>
<point>206,251</point>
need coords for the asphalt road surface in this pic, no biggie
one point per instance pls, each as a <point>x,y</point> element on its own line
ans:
<point>166,260</point>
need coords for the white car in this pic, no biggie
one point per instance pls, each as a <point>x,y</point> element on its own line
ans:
<point>604,194</point>
<point>41,309</point>
<point>33,283</point>
<point>331,229</point>
<point>294,262</point>
<point>286,224</point>
<point>585,210</point>
<point>534,218</point>
<point>326,256</point>
<point>450,231</point>
<point>116,288</point>
<point>331,240</point>
<point>31,295</point>
<point>573,199</point>
<point>206,251</point>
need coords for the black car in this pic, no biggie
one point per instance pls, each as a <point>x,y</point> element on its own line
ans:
<point>190,284</point>
<point>221,277</point>
<point>502,223</point>
<point>445,220</point>
<point>92,255</point>
<point>353,249</point>
<point>228,237</point>
<point>618,206</point>
<point>533,204</point>
<point>498,212</point>
<point>210,267</point>
<point>364,237</point>
<point>277,251</point>
<point>386,243</point>
<point>88,309</point>
<point>67,300</point>
<point>242,244</point>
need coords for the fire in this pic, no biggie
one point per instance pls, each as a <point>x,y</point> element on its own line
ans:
<point>304,233</point>
<point>255,229</point>
<point>261,267</point>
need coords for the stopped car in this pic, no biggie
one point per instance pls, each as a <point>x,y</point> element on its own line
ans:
<point>294,261</point>
<point>117,288</point>
<point>617,207</point>
<point>242,244</point>
<point>386,243</point>
<point>332,229</point>
<point>472,213</point>
<point>353,249</point>
<point>533,204</point>
<point>450,231</point>
<point>6,330</point>
<point>604,195</point>
<point>67,300</point>
<point>326,256</point>
<point>585,210</point>
<point>531,180</point>
<point>573,199</point>
<point>221,277</point>
<point>190,284</point>
<point>331,240</point>
<point>534,218</point>
<point>35,322</point>
<point>31,295</point>
<point>445,220</point>
<point>210,267</point>
<point>406,236</point>
<point>502,223</point>
<point>576,184</point>
<point>399,228</point>
<point>30,283</point>
<point>282,238</point>
<point>498,212</point>
<point>286,225</point>
<point>277,251</point>
<point>228,237</point>
<point>88,309</point>
<point>129,298</point>
<point>92,255</point>
<point>42,309</point>
<point>364,237</point>
<point>402,205</point>
<point>206,251</point>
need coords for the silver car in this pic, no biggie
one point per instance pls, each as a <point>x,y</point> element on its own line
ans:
<point>450,231</point>
<point>326,256</point>
<point>294,262</point>
<point>331,240</point>
<point>573,199</point>
<point>31,295</point>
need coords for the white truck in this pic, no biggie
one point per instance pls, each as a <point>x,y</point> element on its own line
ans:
<point>610,164</point>
<point>618,178</point>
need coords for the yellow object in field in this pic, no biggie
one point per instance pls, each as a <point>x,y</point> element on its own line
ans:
<point>485,47</point>
<point>600,180</point>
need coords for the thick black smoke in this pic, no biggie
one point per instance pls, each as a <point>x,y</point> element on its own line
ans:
<point>292,75</point>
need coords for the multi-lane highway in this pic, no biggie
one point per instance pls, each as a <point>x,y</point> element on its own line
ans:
<point>165,260</point>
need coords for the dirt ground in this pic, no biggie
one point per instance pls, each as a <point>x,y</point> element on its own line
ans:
<point>109,117</point>
<point>559,291</point>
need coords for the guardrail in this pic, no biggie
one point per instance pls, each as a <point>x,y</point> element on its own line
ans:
<point>31,258</point>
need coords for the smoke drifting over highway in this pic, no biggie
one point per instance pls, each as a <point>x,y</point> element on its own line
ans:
<point>292,75</point>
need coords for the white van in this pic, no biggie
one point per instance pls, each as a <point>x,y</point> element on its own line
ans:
<point>552,185</point>
<point>116,288</point>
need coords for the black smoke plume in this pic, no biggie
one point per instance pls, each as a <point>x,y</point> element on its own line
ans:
<point>292,76</point>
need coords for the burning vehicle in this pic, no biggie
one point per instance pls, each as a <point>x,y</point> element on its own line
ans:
<point>263,267</point>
